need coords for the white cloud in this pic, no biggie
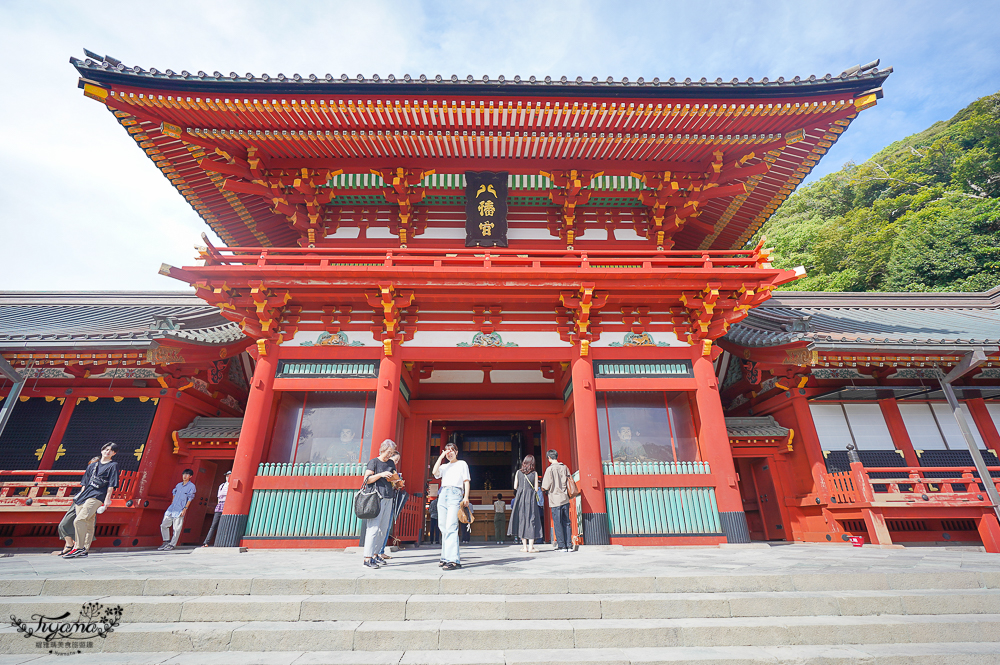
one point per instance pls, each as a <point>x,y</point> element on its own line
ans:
<point>84,209</point>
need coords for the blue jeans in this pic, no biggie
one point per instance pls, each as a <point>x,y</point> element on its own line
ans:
<point>560,521</point>
<point>448,502</point>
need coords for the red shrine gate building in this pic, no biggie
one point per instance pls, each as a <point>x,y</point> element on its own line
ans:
<point>516,266</point>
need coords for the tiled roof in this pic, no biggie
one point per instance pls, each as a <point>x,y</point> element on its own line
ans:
<point>759,426</point>
<point>212,428</point>
<point>96,67</point>
<point>109,319</point>
<point>867,320</point>
<point>770,134</point>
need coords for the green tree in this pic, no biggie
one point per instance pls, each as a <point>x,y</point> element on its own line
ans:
<point>920,215</point>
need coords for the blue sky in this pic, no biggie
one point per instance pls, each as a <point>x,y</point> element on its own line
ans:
<point>83,209</point>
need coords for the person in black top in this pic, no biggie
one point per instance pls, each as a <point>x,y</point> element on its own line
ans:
<point>100,478</point>
<point>66,530</point>
<point>380,472</point>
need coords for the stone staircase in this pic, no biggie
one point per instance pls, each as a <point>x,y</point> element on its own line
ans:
<point>461,618</point>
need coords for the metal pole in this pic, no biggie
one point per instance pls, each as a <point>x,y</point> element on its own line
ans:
<point>8,404</point>
<point>970,362</point>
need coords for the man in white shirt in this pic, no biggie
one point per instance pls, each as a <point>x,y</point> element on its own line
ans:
<point>454,494</point>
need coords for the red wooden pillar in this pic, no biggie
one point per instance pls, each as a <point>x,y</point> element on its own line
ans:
<point>413,453</point>
<point>386,402</point>
<point>153,457</point>
<point>989,531</point>
<point>897,430</point>
<point>556,438</point>
<point>52,447</point>
<point>249,450</point>
<point>810,439</point>
<point>159,436</point>
<point>987,428</point>
<point>714,440</point>
<point>588,452</point>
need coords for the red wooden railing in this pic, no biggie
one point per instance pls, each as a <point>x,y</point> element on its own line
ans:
<point>840,487</point>
<point>906,485</point>
<point>40,492</point>
<point>410,522</point>
<point>322,257</point>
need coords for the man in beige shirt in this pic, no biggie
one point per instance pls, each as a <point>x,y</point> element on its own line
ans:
<point>555,483</point>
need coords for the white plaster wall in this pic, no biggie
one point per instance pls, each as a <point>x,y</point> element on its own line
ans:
<point>518,376</point>
<point>365,337</point>
<point>452,338</point>
<point>455,376</point>
<point>670,339</point>
<point>346,232</point>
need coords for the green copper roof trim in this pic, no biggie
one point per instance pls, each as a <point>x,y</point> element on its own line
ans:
<point>638,368</point>
<point>312,369</point>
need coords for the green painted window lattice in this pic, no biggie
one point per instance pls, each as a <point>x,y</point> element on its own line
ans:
<point>642,369</point>
<point>310,469</point>
<point>291,368</point>
<point>654,468</point>
<point>303,514</point>
<point>457,181</point>
<point>458,200</point>
<point>628,266</point>
<point>662,511</point>
<point>351,200</point>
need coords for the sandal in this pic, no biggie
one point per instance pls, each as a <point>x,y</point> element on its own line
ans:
<point>66,550</point>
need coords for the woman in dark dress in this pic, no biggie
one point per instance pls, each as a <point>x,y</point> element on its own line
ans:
<point>524,520</point>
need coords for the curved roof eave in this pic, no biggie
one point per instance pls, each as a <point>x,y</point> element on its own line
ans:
<point>854,83</point>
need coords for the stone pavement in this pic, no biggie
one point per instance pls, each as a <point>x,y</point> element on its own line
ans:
<point>730,605</point>
<point>506,561</point>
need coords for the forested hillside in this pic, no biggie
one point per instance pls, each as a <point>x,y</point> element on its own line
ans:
<point>921,215</point>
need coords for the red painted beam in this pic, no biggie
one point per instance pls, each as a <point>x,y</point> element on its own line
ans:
<point>314,383</point>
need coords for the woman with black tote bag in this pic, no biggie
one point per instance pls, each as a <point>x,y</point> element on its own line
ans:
<point>380,473</point>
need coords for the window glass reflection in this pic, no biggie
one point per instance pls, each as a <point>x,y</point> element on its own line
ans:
<point>323,427</point>
<point>646,426</point>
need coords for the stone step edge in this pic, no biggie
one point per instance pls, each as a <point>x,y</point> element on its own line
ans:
<point>507,624</point>
<point>159,609</point>
<point>935,653</point>
<point>459,583</point>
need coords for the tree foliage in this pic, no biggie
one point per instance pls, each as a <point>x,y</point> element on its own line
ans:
<point>921,215</point>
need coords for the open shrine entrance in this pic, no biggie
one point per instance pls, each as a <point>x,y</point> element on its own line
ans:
<point>493,449</point>
<point>493,437</point>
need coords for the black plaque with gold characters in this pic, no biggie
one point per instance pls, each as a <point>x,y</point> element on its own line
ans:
<point>485,209</point>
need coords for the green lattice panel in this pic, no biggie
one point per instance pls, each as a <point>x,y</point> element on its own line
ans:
<point>662,511</point>
<point>303,514</point>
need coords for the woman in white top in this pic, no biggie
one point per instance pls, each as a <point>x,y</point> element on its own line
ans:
<point>454,475</point>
